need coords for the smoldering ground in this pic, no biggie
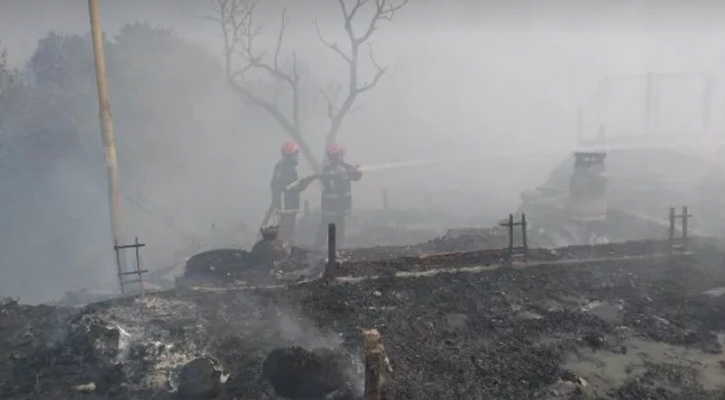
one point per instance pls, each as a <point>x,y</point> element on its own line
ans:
<point>616,330</point>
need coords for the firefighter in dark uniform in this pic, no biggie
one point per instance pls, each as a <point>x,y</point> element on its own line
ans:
<point>286,189</point>
<point>336,202</point>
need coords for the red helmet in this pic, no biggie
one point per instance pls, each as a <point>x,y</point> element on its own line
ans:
<point>335,150</point>
<point>290,148</point>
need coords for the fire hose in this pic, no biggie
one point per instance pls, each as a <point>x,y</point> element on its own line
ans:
<point>412,164</point>
<point>395,165</point>
<point>453,160</point>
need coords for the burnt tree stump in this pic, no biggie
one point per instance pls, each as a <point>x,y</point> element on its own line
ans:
<point>377,364</point>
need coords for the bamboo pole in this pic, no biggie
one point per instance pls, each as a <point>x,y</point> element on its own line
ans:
<point>114,191</point>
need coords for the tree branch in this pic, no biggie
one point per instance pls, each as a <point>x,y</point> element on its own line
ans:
<point>332,46</point>
<point>330,107</point>
<point>378,74</point>
<point>235,18</point>
<point>384,10</point>
<point>283,26</point>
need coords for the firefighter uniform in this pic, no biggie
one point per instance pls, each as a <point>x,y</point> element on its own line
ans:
<point>286,189</point>
<point>336,200</point>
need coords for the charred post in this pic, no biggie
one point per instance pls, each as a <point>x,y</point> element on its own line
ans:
<point>684,224</point>
<point>672,226</point>
<point>674,241</point>
<point>524,241</point>
<point>138,266</point>
<point>516,251</point>
<point>331,252</point>
<point>511,234</point>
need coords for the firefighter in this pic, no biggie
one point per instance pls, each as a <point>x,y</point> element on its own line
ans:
<point>336,202</point>
<point>286,189</point>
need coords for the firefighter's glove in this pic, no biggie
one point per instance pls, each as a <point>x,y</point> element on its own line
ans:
<point>304,182</point>
<point>354,172</point>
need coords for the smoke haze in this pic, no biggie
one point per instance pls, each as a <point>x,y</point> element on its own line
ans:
<point>465,78</point>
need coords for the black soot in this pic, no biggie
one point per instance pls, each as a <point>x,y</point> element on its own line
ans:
<point>299,374</point>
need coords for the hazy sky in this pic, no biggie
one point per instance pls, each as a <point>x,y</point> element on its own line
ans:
<point>466,78</point>
<point>477,75</point>
<point>22,22</point>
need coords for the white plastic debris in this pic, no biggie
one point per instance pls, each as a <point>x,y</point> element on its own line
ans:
<point>716,292</point>
<point>85,388</point>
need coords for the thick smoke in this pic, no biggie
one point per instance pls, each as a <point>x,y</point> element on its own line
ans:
<point>463,79</point>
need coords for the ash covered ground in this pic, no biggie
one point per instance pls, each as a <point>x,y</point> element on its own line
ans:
<point>637,329</point>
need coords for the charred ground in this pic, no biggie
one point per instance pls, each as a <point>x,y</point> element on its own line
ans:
<point>639,329</point>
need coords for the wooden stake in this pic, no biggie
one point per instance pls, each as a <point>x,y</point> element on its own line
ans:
<point>114,191</point>
<point>511,235</point>
<point>524,240</point>
<point>672,227</point>
<point>331,253</point>
<point>376,364</point>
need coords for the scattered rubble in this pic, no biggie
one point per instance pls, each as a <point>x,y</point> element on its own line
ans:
<point>589,331</point>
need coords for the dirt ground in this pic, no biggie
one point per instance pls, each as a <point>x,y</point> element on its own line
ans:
<point>644,329</point>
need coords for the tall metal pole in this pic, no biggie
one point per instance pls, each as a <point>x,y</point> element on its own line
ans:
<point>114,191</point>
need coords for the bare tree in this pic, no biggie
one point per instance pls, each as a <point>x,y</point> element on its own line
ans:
<point>235,17</point>
<point>384,10</point>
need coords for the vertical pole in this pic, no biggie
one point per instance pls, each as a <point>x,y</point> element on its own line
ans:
<point>138,267</point>
<point>118,265</point>
<point>672,226</point>
<point>385,199</point>
<point>307,208</point>
<point>331,252</point>
<point>114,191</point>
<point>524,241</point>
<point>511,235</point>
<point>684,224</point>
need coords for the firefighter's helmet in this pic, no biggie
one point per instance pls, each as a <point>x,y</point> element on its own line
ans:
<point>290,148</point>
<point>335,150</point>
